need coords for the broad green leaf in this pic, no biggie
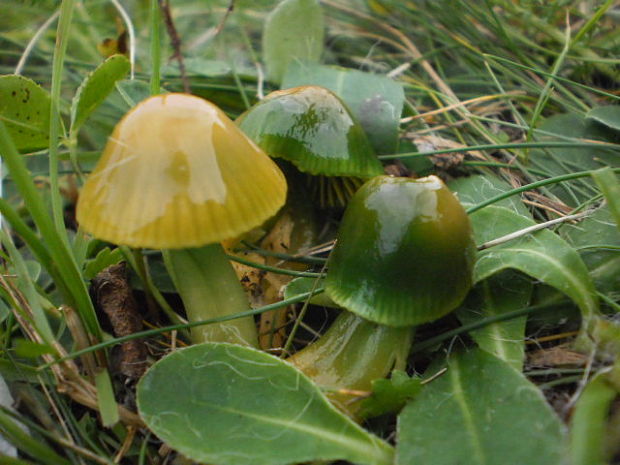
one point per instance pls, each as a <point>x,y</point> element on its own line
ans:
<point>293,31</point>
<point>480,412</point>
<point>376,101</point>
<point>390,395</point>
<point>25,110</point>
<point>598,242</point>
<point>473,190</point>
<point>239,406</point>
<point>558,161</point>
<point>607,181</point>
<point>302,285</point>
<point>588,426</point>
<point>503,292</point>
<point>543,255</point>
<point>96,87</point>
<point>608,115</point>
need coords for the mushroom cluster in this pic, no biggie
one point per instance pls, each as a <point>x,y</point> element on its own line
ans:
<point>178,175</point>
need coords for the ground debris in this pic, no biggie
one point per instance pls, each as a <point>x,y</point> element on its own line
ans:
<point>114,297</point>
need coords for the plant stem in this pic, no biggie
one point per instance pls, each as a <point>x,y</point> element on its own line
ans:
<point>62,36</point>
<point>495,147</point>
<point>209,288</point>
<point>155,47</point>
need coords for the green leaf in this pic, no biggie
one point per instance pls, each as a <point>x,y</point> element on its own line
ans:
<point>108,409</point>
<point>375,100</point>
<point>597,239</point>
<point>589,422</point>
<point>200,66</point>
<point>559,161</point>
<point>543,255</point>
<point>96,87</point>
<point>607,181</point>
<point>501,293</point>
<point>473,190</point>
<point>606,333</point>
<point>159,275</point>
<point>13,371</point>
<point>5,311</point>
<point>236,406</point>
<point>30,349</point>
<point>480,412</point>
<point>293,31</point>
<point>16,434</point>
<point>25,110</point>
<point>608,115</point>
<point>302,285</point>
<point>390,395</point>
<point>106,257</point>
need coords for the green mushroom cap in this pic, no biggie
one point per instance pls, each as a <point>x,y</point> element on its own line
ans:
<point>404,254</point>
<point>312,128</point>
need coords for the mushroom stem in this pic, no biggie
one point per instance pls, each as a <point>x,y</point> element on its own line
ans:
<point>351,355</point>
<point>209,288</point>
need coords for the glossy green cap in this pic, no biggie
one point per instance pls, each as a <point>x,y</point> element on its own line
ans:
<point>404,254</point>
<point>313,129</point>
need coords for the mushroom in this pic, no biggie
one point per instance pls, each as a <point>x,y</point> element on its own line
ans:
<point>177,174</point>
<point>310,127</point>
<point>404,256</point>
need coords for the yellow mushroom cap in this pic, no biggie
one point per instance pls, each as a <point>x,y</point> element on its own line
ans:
<point>175,173</point>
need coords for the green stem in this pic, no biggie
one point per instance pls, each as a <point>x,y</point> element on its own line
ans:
<point>209,288</point>
<point>517,145</point>
<point>351,354</point>
<point>62,36</point>
<point>155,47</point>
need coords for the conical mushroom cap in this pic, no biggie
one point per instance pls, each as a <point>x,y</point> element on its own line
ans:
<point>175,173</point>
<point>313,129</point>
<point>404,254</point>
